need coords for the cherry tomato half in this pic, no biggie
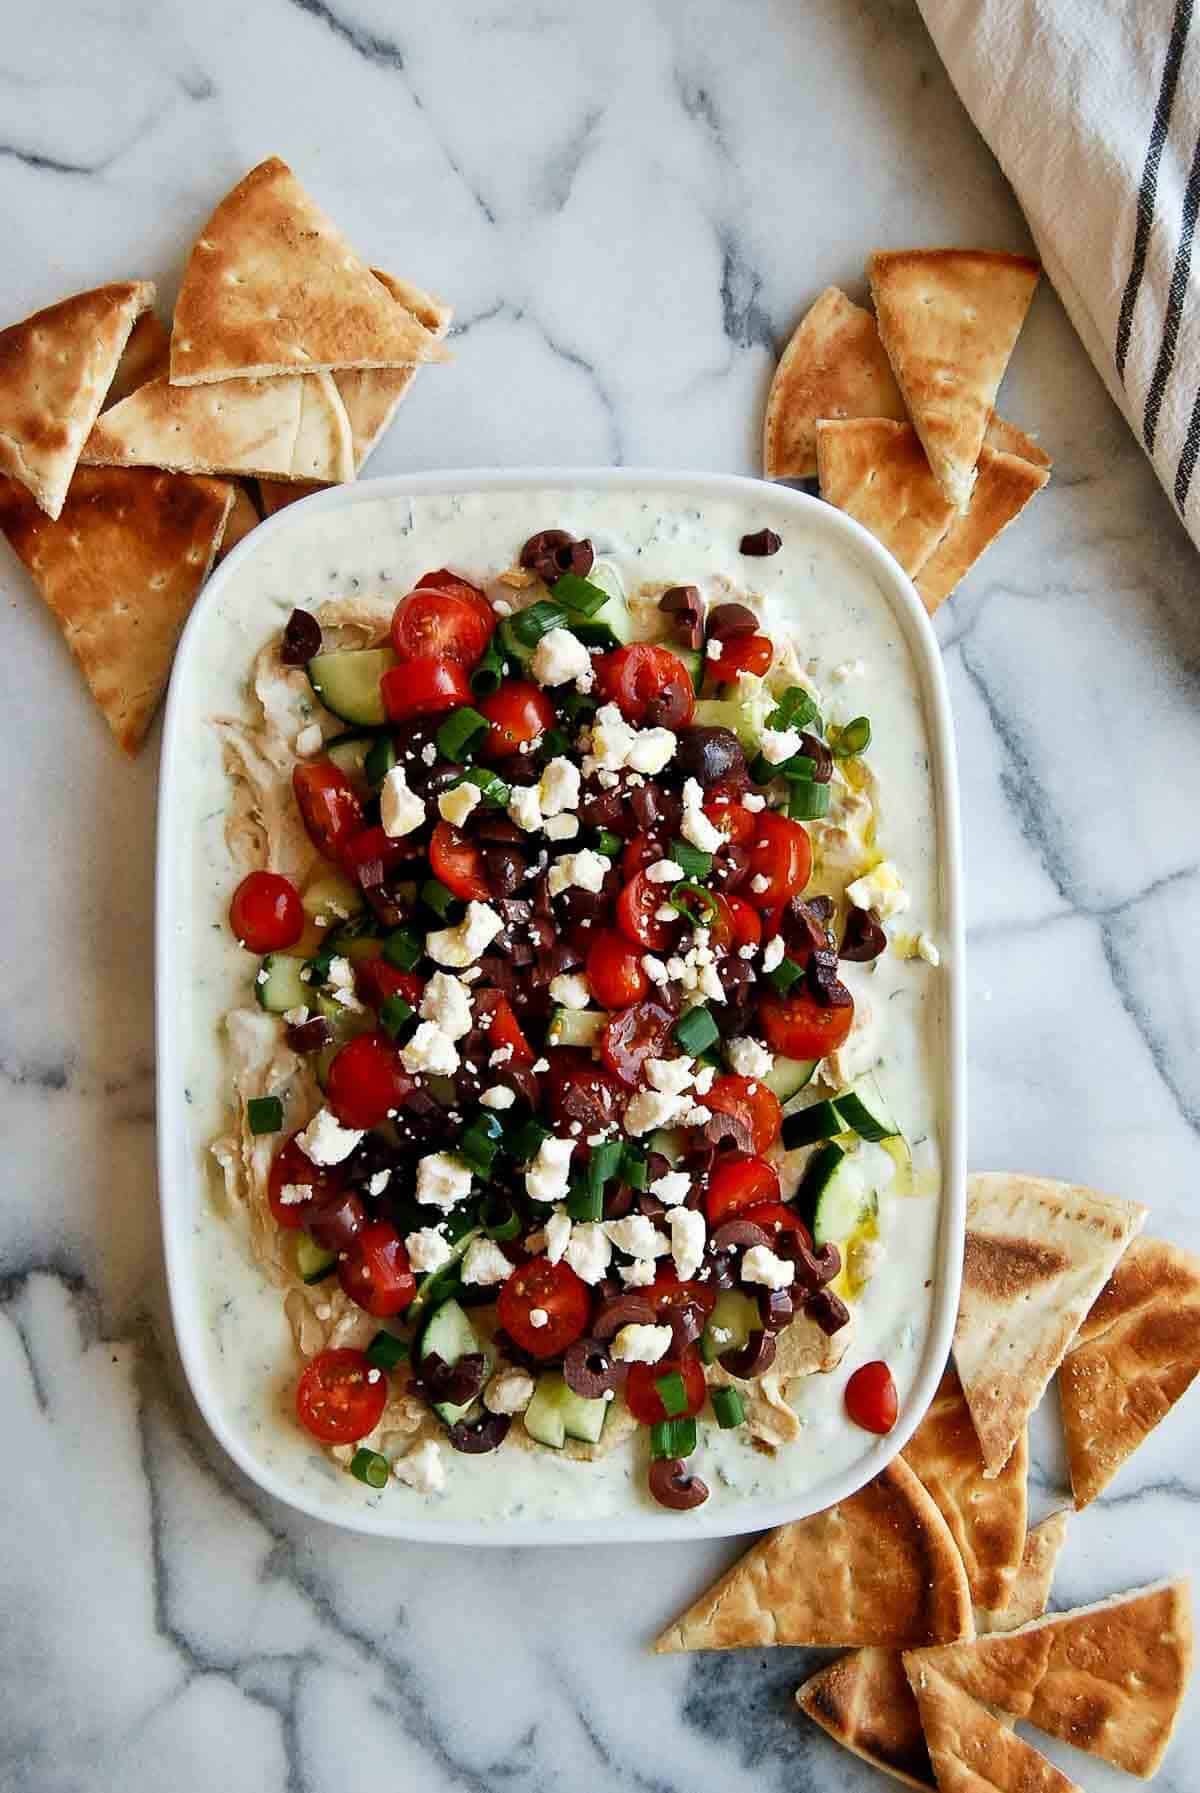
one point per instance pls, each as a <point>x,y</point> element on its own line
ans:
<point>666,1294</point>
<point>375,980</point>
<point>649,685</point>
<point>736,1183</point>
<point>443,618</point>
<point>634,1035</point>
<point>753,1104</point>
<point>871,1398</point>
<point>375,1272</point>
<point>747,922</point>
<point>579,1089</point>
<point>775,1218</point>
<point>292,1166</point>
<point>266,913</point>
<point>373,846</point>
<point>641,851</point>
<point>614,971</point>
<point>780,852</point>
<point>503,1028</point>
<point>799,1027</point>
<point>518,712</point>
<point>328,804</point>
<point>724,809</point>
<point>366,1081</point>
<point>742,653</point>
<point>637,913</point>
<point>557,1292</point>
<point>641,1391</point>
<point>336,1398</point>
<point>423,687</point>
<point>457,863</point>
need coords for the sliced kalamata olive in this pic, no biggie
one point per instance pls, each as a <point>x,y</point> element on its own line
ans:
<point>388,907</point>
<point>514,909</point>
<point>505,869</point>
<point>762,542</point>
<point>658,811</point>
<point>602,809</point>
<point>309,1036</point>
<point>336,1222</point>
<point>623,1310</point>
<point>455,1383</point>
<point>863,938</point>
<point>618,1201</point>
<point>552,552</point>
<point>823,907</point>
<point>753,1359</point>
<point>657,1165</point>
<point>491,827</point>
<point>737,1129</point>
<point>590,1369</point>
<point>443,775</point>
<point>722,1270</point>
<point>699,1160</point>
<point>819,754</point>
<point>672,1485</point>
<point>685,607</point>
<point>475,1437</point>
<point>823,983</point>
<point>828,1310</point>
<point>708,754</point>
<point>687,1322</point>
<point>776,1309</point>
<point>804,930</point>
<point>727,620</point>
<point>813,1268</point>
<point>542,936</point>
<point>301,639</point>
<point>739,1232</point>
<point>731,866</point>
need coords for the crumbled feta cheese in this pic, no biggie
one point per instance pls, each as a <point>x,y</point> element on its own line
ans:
<point>325,1140</point>
<point>654,968</point>
<point>704,835</point>
<point>442,1181</point>
<point>563,827</point>
<point>292,1194</point>
<point>500,1056</point>
<point>485,1264</point>
<point>608,781</point>
<point>539,1066</point>
<point>559,787</point>
<point>927,950</point>
<point>429,753</point>
<point>571,990</point>
<point>612,739</point>
<point>672,1188</point>
<point>589,1251</point>
<point>422,1468</point>
<point>709,984</point>
<point>525,807</point>
<point>446,1001</point>
<point>705,1077</point>
<point>641,1344</point>
<point>650,1109</point>
<point>499,1096</point>
<point>546,1178</point>
<point>340,978</point>
<point>671,1075</point>
<point>636,1236</point>
<point>638,1275</point>
<point>462,945</point>
<point>773,953</point>
<point>714,649</point>
<point>430,1050</point>
<point>538,1317</point>
<point>666,912</point>
<point>664,871</point>
<point>455,805</point>
<point>697,1116</point>
<point>379,1182</point>
<point>754,801</point>
<point>400,810</point>
<point>760,1265</point>
<point>310,740</point>
<point>688,1234</point>
<point>652,749</point>
<point>881,890</point>
<point>748,1058</point>
<point>779,744</point>
<point>558,1234</point>
<point>427,1249</point>
<point>758,884</point>
<point>559,657</point>
<point>586,870</point>
<point>295,1017</point>
<point>509,1391</point>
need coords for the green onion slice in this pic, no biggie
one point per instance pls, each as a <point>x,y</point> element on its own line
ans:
<point>387,1352</point>
<point>844,743</point>
<point>461,734</point>
<point>694,902</point>
<point>264,1114</point>
<point>403,948</point>
<point>528,626</point>
<point>728,1408</point>
<point>525,1141</point>
<point>577,706</point>
<point>634,1169</point>
<point>796,709</point>
<point>436,897</point>
<point>491,786</point>
<point>695,863</point>
<point>608,843</point>
<point>381,757</point>
<point>555,741</point>
<point>395,1014</point>
<point>370,1468</point>
<point>604,1163</point>
<point>500,1219</point>
<point>808,802</point>
<point>673,1396</point>
<point>696,1030</point>
<point>673,1437</point>
<point>785,974</point>
<point>579,595</point>
<point>480,1141</point>
<point>485,680</point>
<point>585,1203</point>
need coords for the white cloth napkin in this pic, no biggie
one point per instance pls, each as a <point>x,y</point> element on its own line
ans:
<point>1092,109</point>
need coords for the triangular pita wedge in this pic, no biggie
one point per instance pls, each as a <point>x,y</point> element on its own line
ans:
<point>147,356</point>
<point>949,319</point>
<point>880,1567</point>
<point>1030,1588</point>
<point>55,369</point>
<point>1003,489</point>
<point>277,494</point>
<point>291,428</point>
<point>971,1751</point>
<point>1135,1354</point>
<point>1037,1255</point>
<point>120,569</point>
<point>242,519</point>
<point>835,367</point>
<point>1006,438</point>
<point>986,1517</point>
<point>273,287</point>
<point>876,472</point>
<point>372,394</point>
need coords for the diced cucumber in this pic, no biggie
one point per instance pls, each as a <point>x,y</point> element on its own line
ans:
<point>584,1418</point>
<point>440,1283</point>
<point>820,1120</point>
<point>279,986</point>
<point>381,757</point>
<point>726,712</point>
<point>331,895</point>
<point>347,682</point>
<point>866,1113</point>
<point>832,1197</point>
<point>670,1142</point>
<point>788,1076</point>
<point>312,1260</point>
<point>576,1027</point>
<point>557,1413</point>
<point>616,613</point>
<point>693,659</point>
<point>349,754</point>
<point>451,1335</point>
<point>730,1324</point>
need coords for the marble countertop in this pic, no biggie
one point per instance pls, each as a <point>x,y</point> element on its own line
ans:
<point>629,207</point>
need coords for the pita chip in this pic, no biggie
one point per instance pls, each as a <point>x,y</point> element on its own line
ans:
<point>1029,1591</point>
<point>971,1751</point>
<point>880,1567</point>
<point>1006,438</point>
<point>986,1518</point>
<point>273,287</point>
<point>1135,1354</point>
<point>1108,1678</point>
<point>147,356</point>
<point>949,319</point>
<point>55,368</point>
<point>1037,1254</point>
<point>876,472</point>
<point>121,568</point>
<point>291,428</point>
<point>834,367</point>
<point>372,394</point>
<point>241,520</point>
<point>1004,486</point>
<point>277,494</point>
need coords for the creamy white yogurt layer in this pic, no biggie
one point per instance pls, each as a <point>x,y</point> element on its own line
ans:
<point>812,591</point>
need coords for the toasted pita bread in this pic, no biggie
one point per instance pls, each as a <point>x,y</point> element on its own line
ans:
<point>879,1567</point>
<point>949,319</point>
<point>147,356</point>
<point>1029,1590</point>
<point>1037,1255</point>
<point>876,472</point>
<point>291,428</point>
<point>1107,1678</point>
<point>242,519</point>
<point>1006,438</point>
<point>986,1517</point>
<point>1004,486</point>
<point>55,368</point>
<point>277,494</point>
<point>802,1349</point>
<point>1135,1354</point>
<point>120,568</point>
<point>833,367</point>
<point>971,1751</point>
<point>273,287</point>
<point>371,395</point>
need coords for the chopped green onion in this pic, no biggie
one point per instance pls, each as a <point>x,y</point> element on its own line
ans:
<point>608,843</point>
<point>264,1114</point>
<point>696,1030</point>
<point>808,802</point>
<point>381,757</point>
<point>370,1468</point>
<point>808,1125</point>
<point>799,769</point>
<point>500,1219</point>
<point>435,896</point>
<point>387,1352</point>
<point>673,1437</point>
<point>844,743</point>
<point>479,1142</point>
<point>596,634</point>
<point>796,709</point>
<point>525,1141</point>
<point>403,948</point>
<point>585,1203</point>
<point>634,1169</point>
<point>491,786</point>
<point>485,680</point>
<point>603,1164</point>
<point>528,626</point>
<point>694,903</point>
<point>785,974</point>
<point>461,734</point>
<point>395,1014</point>
<point>555,741</point>
<point>579,595</point>
<point>695,863</point>
<point>673,1395</point>
<point>727,1406</point>
<point>577,706</point>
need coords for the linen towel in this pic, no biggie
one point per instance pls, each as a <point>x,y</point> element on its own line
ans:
<point>1092,109</point>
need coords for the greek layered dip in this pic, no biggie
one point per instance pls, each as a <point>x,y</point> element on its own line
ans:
<point>585,1024</point>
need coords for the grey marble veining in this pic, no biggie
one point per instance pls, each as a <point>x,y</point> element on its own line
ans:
<point>629,207</point>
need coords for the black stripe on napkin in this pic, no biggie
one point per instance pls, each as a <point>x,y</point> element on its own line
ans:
<point>1187,460</point>
<point>1148,191</point>
<point>1176,293</point>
